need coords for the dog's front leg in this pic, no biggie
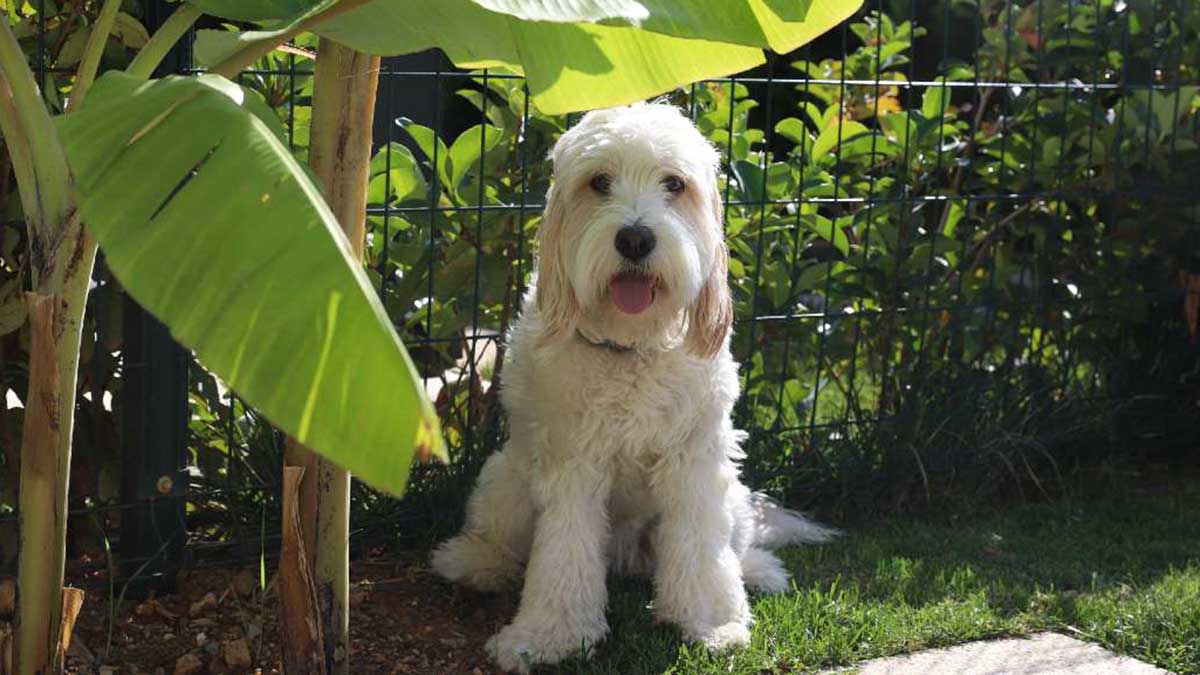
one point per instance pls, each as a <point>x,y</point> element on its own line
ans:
<point>698,582</point>
<point>563,600</point>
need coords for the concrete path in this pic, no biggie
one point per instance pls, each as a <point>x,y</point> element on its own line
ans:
<point>1041,654</point>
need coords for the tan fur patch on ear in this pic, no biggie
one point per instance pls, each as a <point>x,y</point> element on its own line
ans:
<point>557,306</point>
<point>711,317</point>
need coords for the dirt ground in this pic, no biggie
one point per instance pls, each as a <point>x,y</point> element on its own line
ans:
<point>403,620</point>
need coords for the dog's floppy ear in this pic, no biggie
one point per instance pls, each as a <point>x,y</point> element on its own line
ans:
<point>556,302</point>
<point>711,316</point>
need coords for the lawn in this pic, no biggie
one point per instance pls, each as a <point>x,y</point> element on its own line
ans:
<point>1124,573</point>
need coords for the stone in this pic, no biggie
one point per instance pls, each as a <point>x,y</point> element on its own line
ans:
<point>188,664</point>
<point>1040,654</point>
<point>236,653</point>
<point>209,601</point>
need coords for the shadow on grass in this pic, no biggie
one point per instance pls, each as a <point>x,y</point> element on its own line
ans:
<point>1123,573</point>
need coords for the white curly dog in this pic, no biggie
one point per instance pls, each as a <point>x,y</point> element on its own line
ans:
<point>619,385</point>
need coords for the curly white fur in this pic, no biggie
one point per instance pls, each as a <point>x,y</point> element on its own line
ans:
<point>623,454</point>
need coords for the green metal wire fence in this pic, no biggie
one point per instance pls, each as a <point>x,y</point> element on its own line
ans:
<point>965,255</point>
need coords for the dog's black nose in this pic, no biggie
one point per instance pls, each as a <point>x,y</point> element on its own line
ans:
<point>635,242</point>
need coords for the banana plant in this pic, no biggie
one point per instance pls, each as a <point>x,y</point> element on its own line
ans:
<point>211,224</point>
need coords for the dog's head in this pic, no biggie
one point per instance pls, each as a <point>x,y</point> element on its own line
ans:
<point>632,238</point>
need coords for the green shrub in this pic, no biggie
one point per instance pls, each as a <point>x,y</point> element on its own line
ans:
<point>957,287</point>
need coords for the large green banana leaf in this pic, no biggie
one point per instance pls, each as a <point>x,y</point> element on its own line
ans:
<point>230,244</point>
<point>576,54</point>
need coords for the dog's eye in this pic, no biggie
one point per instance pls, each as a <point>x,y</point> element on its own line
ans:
<point>673,184</point>
<point>601,183</point>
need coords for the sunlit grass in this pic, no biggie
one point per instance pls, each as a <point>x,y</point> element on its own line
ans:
<point>1125,574</point>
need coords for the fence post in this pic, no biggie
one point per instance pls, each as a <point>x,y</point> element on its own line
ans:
<point>154,420</point>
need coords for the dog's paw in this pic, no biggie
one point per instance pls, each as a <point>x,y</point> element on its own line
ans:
<point>518,646</point>
<point>725,636</point>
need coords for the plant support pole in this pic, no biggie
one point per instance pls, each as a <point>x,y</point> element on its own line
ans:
<point>343,108</point>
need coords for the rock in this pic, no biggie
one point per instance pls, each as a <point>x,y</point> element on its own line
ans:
<point>237,653</point>
<point>245,583</point>
<point>209,601</point>
<point>201,638</point>
<point>1040,653</point>
<point>153,607</point>
<point>188,664</point>
<point>217,666</point>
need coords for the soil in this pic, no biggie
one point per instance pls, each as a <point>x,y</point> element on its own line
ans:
<point>404,619</point>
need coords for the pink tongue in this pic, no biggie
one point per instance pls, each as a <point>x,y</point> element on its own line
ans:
<point>631,293</point>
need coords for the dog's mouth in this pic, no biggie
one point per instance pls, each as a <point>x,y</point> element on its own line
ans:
<point>632,292</point>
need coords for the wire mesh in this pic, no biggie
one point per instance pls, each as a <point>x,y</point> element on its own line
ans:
<point>964,245</point>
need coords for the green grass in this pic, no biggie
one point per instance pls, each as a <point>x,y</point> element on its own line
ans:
<point>1122,573</point>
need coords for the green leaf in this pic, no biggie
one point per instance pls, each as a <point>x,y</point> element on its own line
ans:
<point>212,45</point>
<point>130,31</point>
<point>395,167</point>
<point>72,49</point>
<point>791,129</point>
<point>935,102</point>
<point>577,65</point>
<point>719,20</point>
<point>217,48</point>
<point>795,131</point>
<point>750,180</point>
<point>834,134</point>
<point>468,149</point>
<point>254,10</point>
<point>831,231</point>
<point>253,274</point>
<point>12,306</point>
<point>432,146</point>
<point>781,181</point>
<point>953,216</point>
<point>815,276</point>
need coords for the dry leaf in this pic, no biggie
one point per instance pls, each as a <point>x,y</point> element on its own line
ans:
<point>8,597</point>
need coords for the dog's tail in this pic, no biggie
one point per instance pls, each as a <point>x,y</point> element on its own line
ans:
<point>776,526</point>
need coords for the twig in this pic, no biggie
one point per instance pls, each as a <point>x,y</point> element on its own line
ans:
<point>76,8</point>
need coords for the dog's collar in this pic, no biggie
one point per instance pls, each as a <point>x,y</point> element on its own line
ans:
<point>603,343</point>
